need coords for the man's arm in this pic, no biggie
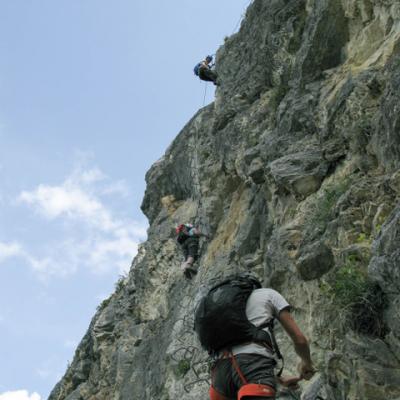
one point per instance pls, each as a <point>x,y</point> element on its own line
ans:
<point>198,232</point>
<point>300,344</point>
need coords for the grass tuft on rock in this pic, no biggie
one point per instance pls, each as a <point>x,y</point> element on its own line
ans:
<point>182,368</point>
<point>325,206</point>
<point>360,300</point>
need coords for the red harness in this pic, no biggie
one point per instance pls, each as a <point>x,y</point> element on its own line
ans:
<point>248,389</point>
<point>214,395</point>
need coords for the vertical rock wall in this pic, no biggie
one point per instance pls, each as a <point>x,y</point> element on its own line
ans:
<point>294,172</point>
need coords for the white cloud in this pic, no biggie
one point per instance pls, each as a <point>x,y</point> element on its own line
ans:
<point>19,395</point>
<point>16,250</point>
<point>97,238</point>
<point>119,187</point>
<point>86,177</point>
<point>120,247</point>
<point>9,250</point>
<point>54,201</point>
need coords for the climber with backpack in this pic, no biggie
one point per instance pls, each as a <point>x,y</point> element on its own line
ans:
<point>188,237</point>
<point>204,70</point>
<point>234,323</point>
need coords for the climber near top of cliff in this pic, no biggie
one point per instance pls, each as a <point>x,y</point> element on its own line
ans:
<point>234,323</point>
<point>188,237</point>
<point>204,70</point>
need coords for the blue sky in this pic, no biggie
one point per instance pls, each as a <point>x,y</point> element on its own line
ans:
<point>91,94</point>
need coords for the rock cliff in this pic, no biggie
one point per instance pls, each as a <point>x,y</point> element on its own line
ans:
<point>294,171</point>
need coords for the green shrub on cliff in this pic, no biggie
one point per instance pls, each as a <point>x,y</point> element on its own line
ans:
<point>325,206</point>
<point>360,300</point>
<point>182,368</point>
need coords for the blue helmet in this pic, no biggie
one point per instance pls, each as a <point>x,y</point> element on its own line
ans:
<point>209,58</point>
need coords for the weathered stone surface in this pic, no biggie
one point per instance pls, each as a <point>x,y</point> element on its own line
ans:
<point>385,263</point>
<point>293,171</point>
<point>385,268</point>
<point>299,173</point>
<point>387,136</point>
<point>315,262</point>
<point>256,171</point>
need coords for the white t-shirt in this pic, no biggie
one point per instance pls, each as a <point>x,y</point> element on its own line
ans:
<point>262,306</point>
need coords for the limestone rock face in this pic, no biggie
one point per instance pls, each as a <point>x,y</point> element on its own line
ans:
<point>294,172</point>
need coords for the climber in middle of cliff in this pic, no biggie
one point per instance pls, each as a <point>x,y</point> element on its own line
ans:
<point>204,70</point>
<point>188,237</point>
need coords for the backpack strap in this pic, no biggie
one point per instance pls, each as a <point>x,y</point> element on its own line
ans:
<point>275,347</point>
<point>274,344</point>
<point>237,368</point>
<point>263,338</point>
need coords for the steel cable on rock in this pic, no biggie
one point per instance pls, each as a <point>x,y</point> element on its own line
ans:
<point>197,185</point>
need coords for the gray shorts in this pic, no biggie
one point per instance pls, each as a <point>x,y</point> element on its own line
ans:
<point>255,368</point>
<point>190,248</point>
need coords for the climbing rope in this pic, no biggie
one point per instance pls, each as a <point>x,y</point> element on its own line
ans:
<point>197,183</point>
<point>206,84</point>
<point>196,177</point>
<point>205,92</point>
<point>241,16</point>
<point>196,139</point>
